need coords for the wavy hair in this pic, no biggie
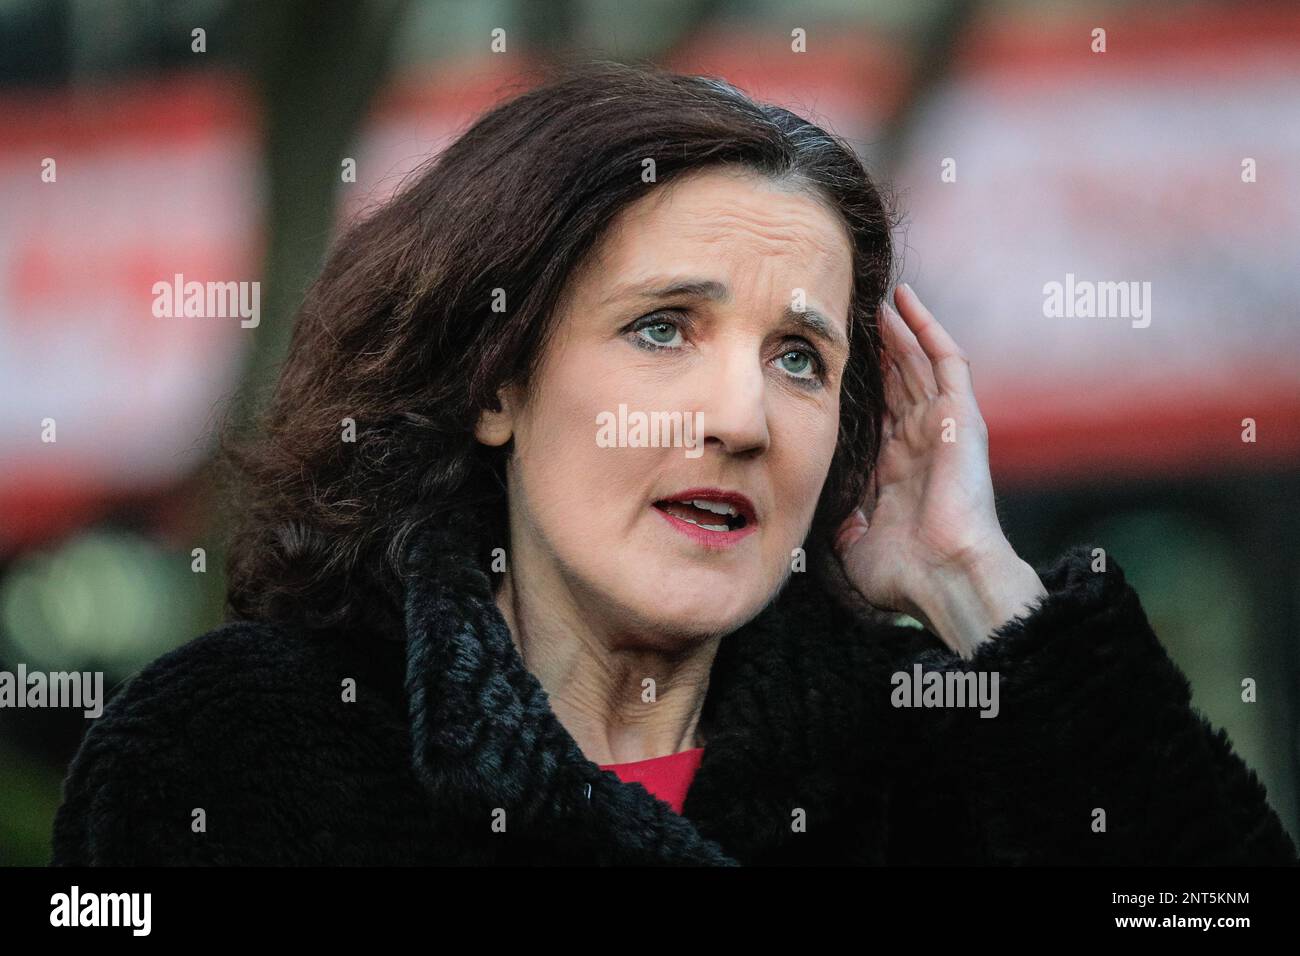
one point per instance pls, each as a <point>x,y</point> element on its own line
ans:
<point>398,333</point>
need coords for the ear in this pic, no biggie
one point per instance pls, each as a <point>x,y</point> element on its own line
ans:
<point>496,427</point>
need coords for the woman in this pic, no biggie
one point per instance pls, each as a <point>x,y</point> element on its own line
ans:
<point>559,492</point>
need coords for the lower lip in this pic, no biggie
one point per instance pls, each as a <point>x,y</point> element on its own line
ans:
<point>718,540</point>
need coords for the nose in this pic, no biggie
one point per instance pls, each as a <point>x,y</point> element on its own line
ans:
<point>734,409</point>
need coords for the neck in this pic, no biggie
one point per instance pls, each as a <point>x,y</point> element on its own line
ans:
<point>598,677</point>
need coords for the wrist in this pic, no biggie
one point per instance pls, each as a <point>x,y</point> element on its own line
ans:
<point>965,605</point>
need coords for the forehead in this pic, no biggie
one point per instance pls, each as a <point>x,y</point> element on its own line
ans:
<point>732,217</point>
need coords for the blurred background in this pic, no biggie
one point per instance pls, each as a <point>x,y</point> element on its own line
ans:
<point>1020,154</point>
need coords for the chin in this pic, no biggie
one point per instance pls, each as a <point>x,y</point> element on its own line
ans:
<point>702,602</point>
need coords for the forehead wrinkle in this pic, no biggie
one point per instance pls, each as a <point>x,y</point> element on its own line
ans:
<point>783,232</point>
<point>775,233</point>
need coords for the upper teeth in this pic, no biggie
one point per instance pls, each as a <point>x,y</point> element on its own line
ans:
<point>717,507</point>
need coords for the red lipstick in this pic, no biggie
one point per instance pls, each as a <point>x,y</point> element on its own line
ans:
<point>713,517</point>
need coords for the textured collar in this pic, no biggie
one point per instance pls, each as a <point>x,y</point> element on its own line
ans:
<point>796,710</point>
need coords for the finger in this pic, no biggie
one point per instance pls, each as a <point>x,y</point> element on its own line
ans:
<point>897,396</point>
<point>951,367</point>
<point>913,364</point>
<point>897,393</point>
<point>916,373</point>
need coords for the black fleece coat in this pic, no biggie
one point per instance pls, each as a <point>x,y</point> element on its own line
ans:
<point>451,753</point>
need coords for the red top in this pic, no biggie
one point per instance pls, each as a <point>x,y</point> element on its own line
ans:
<point>668,778</point>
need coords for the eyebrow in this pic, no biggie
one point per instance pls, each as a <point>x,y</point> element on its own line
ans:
<point>809,320</point>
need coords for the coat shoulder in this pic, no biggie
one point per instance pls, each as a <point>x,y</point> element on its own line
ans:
<point>243,681</point>
<point>246,745</point>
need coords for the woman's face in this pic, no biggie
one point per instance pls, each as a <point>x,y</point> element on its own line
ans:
<point>748,348</point>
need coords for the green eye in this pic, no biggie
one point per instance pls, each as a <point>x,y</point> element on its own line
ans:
<point>660,333</point>
<point>796,362</point>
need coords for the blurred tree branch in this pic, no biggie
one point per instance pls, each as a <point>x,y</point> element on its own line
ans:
<point>317,68</point>
<point>933,54</point>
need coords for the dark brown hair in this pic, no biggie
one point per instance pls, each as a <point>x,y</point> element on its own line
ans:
<point>398,332</point>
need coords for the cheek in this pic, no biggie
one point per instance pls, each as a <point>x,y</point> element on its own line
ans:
<point>802,454</point>
<point>575,490</point>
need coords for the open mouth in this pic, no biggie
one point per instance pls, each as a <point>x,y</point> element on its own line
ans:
<point>709,515</point>
<point>728,515</point>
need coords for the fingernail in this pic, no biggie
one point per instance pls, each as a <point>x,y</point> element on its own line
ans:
<point>910,290</point>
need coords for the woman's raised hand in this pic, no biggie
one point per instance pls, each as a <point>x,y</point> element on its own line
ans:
<point>927,541</point>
